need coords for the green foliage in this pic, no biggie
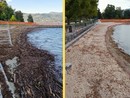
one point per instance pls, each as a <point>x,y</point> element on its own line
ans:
<point>9,12</point>
<point>77,10</point>
<point>93,8</point>
<point>70,11</point>
<point>30,18</point>
<point>2,9</point>
<point>19,16</point>
<point>109,12</point>
<point>115,13</point>
<point>99,14</point>
<point>118,13</point>
<point>127,14</point>
<point>13,18</point>
<point>6,12</point>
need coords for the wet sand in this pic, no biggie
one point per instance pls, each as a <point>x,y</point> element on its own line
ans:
<point>97,67</point>
<point>35,74</point>
<point>121,57</point>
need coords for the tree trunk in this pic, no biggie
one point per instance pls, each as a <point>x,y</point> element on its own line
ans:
<point>68,22</point>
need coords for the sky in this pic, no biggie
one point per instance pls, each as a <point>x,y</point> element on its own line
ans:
<point>124,4</point>
<point>36,6</point>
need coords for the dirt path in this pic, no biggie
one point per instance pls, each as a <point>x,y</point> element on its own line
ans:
<point>95,73</point>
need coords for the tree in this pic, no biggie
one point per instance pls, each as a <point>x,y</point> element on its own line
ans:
<point>118,12</point>
<point>93,10</point>
<point>30,18</point>
<point>84,9</point>
<point>4,1</point>
<point>70,11</point>
<point>13,18</point>
<point>109,12</point>
<point>99,14</point>
<point>80,9</point>
<point>3,16</point>
<point>5,11</point>
<point>9,12</point>
<point>126,14</point>
<point>2,9</point>
<point>19,16</point>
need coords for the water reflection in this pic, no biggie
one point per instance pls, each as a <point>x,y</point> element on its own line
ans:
<point>121,36</point>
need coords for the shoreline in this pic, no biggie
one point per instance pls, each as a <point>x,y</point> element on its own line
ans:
<point>120,56</point>
<point>36,66</point>
<point>117,44</point>
<point>57,72</point>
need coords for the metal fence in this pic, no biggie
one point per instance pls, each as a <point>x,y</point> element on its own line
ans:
<point>74,30</point>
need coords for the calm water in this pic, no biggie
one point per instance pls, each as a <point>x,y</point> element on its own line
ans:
<point>49,39</point>
<point>121,36</point>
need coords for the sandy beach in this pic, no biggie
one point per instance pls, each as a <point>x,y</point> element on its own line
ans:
<point>35,73</point>
<point>99,69</point>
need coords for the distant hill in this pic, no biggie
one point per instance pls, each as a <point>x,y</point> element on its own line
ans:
<point>45,17</point>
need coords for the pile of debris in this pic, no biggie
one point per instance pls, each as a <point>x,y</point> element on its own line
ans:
<point>35,73</point>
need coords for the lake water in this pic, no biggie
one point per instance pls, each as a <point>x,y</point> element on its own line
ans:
<point>121,36</point>
<point>49,39</point>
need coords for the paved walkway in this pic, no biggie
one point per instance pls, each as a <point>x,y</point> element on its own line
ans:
<point>5,38</point>
<point>94,72</point>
